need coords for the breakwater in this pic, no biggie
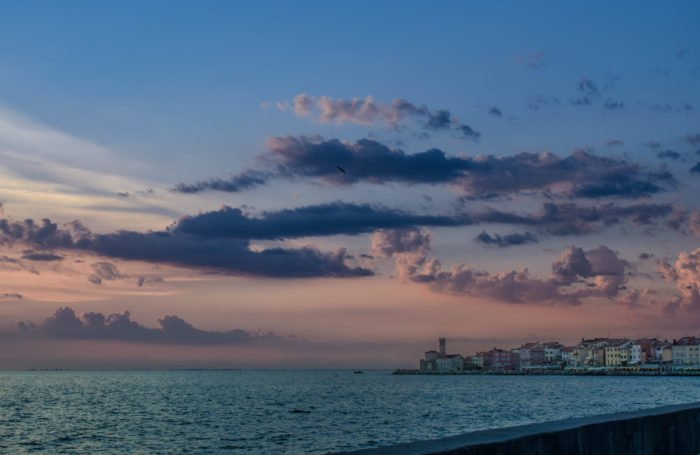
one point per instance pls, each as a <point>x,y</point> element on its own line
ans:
<point>667,430</point>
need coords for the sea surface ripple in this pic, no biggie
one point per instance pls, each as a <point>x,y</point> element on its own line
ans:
<point>292,412</point>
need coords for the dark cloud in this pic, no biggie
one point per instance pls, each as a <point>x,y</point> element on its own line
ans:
<point>106,271</point>
<point>219,254</point>
<point>171,330</point>
<point>365,159</point>
<point>602,264</point>
<point>625,183</point>
<point>244,181</point>
<point>467,132</point>
<point>506,240</point>
<point>149,279</point>
<point>32,232</point>
<point>645,256</point>
<point>317,220</point>
<point>588,92</point>
<point>669,154</point>
<point>41,256</point>
<point>496,112</point>
<point>572,264</point>
<point>439,120</point>
<point>336,218</point>
<point>369,112</point>
<point>226,255</point>
<point>581,174</point>
<point>652,145</point>
<point>220,240</point>
<point>695,169</point>
<point>572,219</point>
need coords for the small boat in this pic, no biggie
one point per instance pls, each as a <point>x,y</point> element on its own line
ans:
<point>358,372</point>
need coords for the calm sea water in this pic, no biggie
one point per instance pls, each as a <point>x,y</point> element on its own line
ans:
<point>292,412</point>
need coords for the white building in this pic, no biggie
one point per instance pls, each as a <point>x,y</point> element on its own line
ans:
<point>686,352</point>
<point>635,354</point>
<point>566,355</point>
<point>552,352</point>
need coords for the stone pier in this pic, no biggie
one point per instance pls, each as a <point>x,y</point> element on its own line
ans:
<point>667,430</point>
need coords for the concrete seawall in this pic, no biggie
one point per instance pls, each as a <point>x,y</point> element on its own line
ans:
<point>668,430</point>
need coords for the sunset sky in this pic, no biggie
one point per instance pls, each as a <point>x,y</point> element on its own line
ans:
<point>326,184</point>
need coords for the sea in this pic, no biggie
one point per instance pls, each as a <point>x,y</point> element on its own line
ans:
<point>293,412</point>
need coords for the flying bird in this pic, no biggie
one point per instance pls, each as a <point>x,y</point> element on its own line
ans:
<point>341,169</point>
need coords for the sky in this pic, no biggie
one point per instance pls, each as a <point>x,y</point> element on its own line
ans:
<point>326,185</point>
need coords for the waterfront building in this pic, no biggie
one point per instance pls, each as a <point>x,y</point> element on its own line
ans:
<point>524,354</point>
<point>580,356</point>
<point>478,360</point>
<point>593,351</point>
<point>440,360</point>
<point>451,362</point>
<point>648,346</point>
<point>552,353</point>
<point>665,353</point>
<point>566,355</point>
<point>636,354</point>
<point>598,356</point>
<point>686,351</point>
<point>618,353</point>
<point>500,359</point>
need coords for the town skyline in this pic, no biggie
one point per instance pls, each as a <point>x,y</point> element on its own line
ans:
<point>600,355</point>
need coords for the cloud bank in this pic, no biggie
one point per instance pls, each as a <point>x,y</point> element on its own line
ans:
<point>228,255</point>
<point>579,175</point>
<point>576,275</point>
<point>64,323</point>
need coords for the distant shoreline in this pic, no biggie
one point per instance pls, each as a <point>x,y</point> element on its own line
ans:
<point>552,372</point>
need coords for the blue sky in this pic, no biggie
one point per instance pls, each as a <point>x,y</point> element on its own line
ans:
<point>169,79</point>
<point>106,107</point>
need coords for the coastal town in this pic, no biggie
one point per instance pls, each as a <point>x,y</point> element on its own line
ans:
<point>589,356</point>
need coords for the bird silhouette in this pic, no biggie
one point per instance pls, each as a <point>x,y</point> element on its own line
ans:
<point>341,169</point>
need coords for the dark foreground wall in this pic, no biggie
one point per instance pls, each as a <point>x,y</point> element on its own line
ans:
<point>669,430</point>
